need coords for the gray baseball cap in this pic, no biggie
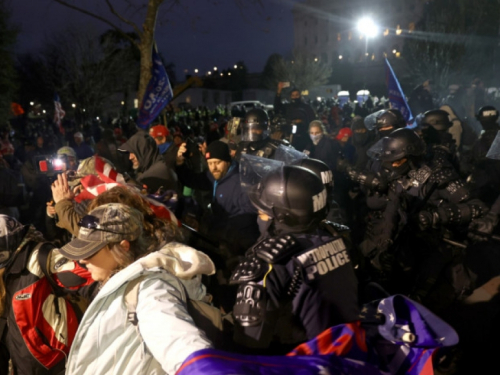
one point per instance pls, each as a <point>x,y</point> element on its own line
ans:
<point>112,222</point>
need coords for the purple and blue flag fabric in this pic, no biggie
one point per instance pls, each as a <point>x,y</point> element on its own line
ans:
<point>158,93</point>
<point>393,336</point>
<point>397,98</point>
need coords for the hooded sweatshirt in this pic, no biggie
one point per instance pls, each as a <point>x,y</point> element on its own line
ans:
<point>152,171</point>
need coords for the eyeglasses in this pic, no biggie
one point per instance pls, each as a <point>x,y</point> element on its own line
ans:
<point>92,222</point>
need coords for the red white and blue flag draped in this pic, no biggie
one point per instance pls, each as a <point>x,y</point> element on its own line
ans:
<point>158,93</point>
<point>58,113</point>
<point>106,179</point>
<point>397,98</point>
<point>402,341</point>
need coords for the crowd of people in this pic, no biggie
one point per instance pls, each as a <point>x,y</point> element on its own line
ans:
<point>126,250</point>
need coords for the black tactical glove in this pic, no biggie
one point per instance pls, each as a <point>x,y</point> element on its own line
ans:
<point>480,229</point>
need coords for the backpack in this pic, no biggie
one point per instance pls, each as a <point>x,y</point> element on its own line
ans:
<point>206,317</point>
<point>47,314</point>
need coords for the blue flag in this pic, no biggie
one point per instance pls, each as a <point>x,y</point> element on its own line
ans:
<point>396,95</point>
<point>158,93</point>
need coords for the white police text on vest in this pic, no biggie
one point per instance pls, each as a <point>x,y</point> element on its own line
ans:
<point>324,259</point>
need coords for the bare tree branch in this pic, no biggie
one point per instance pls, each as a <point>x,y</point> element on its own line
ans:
<point>123,19</point>
<point>96,16</point>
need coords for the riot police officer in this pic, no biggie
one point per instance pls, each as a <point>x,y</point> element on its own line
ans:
<point>255,138</point>
<point>484,175</point>
<point>428,209</point>
<point>299,280</point>
<point>441,147</point>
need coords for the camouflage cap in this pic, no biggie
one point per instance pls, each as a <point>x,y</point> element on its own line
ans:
<point>112,222</point>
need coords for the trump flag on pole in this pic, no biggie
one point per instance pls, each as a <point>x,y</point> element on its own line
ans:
<point>396,96</point>
<point>158,93</point>
<point>58,113</point>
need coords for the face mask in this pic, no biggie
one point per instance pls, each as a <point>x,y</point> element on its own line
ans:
<point>295,101</point>
<point>263,226</point>
<point>315,138</point>
<point>164,146</point>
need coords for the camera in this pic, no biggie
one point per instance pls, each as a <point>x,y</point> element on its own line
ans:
<point>51,165</point>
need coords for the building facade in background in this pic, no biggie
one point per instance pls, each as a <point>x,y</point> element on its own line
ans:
<point>327,29</point>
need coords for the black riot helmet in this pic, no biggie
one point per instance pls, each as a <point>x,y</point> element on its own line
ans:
<point>292,196</point>
<point>389,121</point>
<point>255,125</point>
<point>401,143</point>
<point>437,118</point>
<point>488,116</point>
<point>320,169</point>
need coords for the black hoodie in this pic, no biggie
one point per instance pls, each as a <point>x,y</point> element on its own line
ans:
<point>152,171</point>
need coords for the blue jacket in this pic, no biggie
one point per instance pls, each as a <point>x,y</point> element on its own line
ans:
<point>234,219</point>
<point>228,199</point>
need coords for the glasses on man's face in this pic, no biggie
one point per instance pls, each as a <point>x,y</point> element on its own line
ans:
<point>92,222</point>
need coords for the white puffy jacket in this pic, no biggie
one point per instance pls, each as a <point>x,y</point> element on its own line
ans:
<point>107,343</point>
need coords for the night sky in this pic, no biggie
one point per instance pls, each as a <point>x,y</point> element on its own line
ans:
<point>200,34</point>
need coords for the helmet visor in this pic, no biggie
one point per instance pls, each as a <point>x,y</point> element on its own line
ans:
<point>288,155</point>
<point>386,149</point>
<point>371,120</point>
<point>252,132</point>
<point>494,151</point>
<point>253,169</point>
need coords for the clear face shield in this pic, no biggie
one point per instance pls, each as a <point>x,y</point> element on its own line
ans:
<point>253,131</point>
<point>288,155</point>
<point>494,151</point>
<point>386,149</point>
<point>370,121</point>
<point>253,171</point>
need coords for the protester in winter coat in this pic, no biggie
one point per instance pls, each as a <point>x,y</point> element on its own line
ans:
<point>149,166</point>
<point>159,336</point>
<point>234,218</point>
<point>35,330</point>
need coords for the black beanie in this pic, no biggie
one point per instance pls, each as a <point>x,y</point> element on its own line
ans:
<point>218,150</point>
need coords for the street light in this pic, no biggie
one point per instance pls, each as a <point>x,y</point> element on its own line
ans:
<point>196,70</point>
<point>215,68</point>
<point>73,105</point>
<point>368,29</point>
<point>236,67</point>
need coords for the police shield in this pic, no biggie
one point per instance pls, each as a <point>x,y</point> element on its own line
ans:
<point>494,151</point>
<point>288,155</point>
<point>254,168</point>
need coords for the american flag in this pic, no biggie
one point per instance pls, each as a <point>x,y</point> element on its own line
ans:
<point>107,178</point>
<point>58,113</point>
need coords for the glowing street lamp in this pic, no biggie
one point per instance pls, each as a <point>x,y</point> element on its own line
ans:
<point>367,27</point>
<point>73,105</point>
<point>196,70</point>
<point>215,68</point>
<point>235,66</point>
